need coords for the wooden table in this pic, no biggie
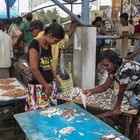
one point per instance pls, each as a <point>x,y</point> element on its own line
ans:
<point>125,38</point>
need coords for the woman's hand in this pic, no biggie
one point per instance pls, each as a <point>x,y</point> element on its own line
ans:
<point>88,92</point>
<point>57,80</point>
<point>48,90</point>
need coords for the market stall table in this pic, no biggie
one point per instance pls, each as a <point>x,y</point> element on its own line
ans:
<point>124,38</point>
<point>12,100</point>
<point>130,117</point>
<point>11,91</point>
<point>101,104</point>
<point>84,126</point>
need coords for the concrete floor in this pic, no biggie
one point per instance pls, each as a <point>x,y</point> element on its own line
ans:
<point>9,128</point>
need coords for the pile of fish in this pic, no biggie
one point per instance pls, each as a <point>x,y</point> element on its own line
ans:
<point>70,114</point>
<point>71,94</point>
<point>105,100</point>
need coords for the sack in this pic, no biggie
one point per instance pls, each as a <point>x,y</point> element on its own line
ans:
<point>22,66</point>
<point>37,98</point>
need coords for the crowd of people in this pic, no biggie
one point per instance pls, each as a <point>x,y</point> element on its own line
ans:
<point>43,47</point>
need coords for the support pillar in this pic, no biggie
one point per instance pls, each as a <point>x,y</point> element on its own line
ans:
<point>8,9</point>
<point>85,11</point>
<point>84,57</point>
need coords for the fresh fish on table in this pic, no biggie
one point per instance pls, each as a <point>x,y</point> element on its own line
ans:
<point>105,100</point>
<point>67,130</point>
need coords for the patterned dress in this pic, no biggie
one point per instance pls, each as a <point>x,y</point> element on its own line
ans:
<point>128,74</point>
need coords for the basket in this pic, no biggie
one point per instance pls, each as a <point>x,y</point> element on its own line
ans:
<point>66,84</point>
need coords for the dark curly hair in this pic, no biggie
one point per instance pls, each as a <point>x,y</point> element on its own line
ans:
<point>125,16</point>
<point>111,56</point>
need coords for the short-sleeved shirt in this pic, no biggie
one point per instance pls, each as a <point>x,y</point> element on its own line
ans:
<point>6,50</point>
<point>124,30</point>
<point>55,48</point>
<point>14,33</point>
<point>45,60</point>
<point>128,74</point>
<point>28,37</point>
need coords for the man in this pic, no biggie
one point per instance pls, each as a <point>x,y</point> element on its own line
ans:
<point>13,22</point>
<point>17,42</point>
<point>36,27</point>
<point>25,29</point>
<point>137,42</point>
<point>99,24</point>
<point>123,30</point>
<point>6,52</point>
<point>101,30</point>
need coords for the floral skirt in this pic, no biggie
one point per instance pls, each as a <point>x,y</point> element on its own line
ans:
<point>37,98</point>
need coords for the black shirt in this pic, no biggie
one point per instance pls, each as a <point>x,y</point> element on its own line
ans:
<point>45,59</point>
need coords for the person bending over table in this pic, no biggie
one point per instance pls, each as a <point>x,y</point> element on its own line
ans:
<point>40,60</point>
<point>125,72</point>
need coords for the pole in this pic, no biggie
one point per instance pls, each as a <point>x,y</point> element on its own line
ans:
<point>121,7</point>
<point>67,11</point>
<point>8,9</point>
<point>31,6</point>
<point>18,5</point>
<point>71,7</point>
<point>85,11</point>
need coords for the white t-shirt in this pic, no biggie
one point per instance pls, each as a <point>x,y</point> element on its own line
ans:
<point>6,50</point>
<point>124,29</point>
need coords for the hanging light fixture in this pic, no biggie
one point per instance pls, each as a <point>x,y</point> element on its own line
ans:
<point>70,1</point>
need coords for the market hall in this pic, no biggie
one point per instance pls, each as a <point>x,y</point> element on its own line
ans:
<point>81,71</point>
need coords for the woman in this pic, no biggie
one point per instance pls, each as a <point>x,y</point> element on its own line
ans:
<point>126,73</point>
<point>40,59</point>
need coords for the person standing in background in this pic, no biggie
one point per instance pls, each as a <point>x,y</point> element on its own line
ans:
<point>13,22</point>
<point>6,52</point>
<point>27,35</point>
<point>137,42</point>
<point>36,27</point>
<point>16,36</point>
<point>101,30</point>
<point>123,30</point>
